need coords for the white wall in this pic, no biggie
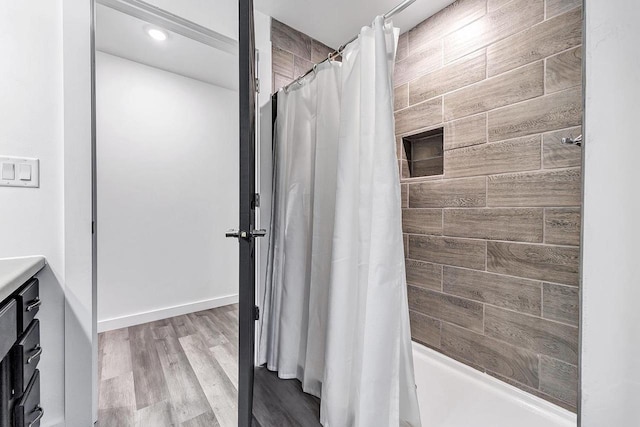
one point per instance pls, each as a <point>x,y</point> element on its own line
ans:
<point>167,163</point>
<point>610,364</point>
<point>31,220</point>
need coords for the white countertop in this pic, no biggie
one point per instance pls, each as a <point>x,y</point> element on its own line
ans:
<point>14,272</point>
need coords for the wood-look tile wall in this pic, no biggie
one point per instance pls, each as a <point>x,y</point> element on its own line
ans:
<point>492,245</point>
<point>292,53</point>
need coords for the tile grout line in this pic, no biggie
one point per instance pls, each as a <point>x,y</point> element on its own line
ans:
<point>533,352</point>
<point>580,45</point>
<point>500,377</point>
<point>500,38</point>
<point>463,58</point>
<point>483,81</point>
<point>457,62</point>
<point>489,143</point>
<point>497,307</point>
<point>538,281</point>
<point>471,208</point>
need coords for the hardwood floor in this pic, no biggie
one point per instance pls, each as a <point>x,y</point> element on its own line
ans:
<point>278,402</point>
<point>183,371</point>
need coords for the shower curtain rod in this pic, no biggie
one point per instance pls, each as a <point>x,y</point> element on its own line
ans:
<point>396,10</point>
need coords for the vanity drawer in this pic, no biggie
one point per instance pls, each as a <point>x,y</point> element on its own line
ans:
<point>28,299</point>
<point>26,356</point>
<point>5,393</point>
<point>27,412</point>
<point>8,326</point>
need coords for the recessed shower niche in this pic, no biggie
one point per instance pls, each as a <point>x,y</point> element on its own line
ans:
<point>424,153</point>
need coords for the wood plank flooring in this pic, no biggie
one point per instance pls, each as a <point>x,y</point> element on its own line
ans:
<point>183,371</point>
<point>278,402</point>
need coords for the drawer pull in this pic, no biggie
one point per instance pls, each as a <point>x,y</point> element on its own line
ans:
<point>35,304</point>
<point>35,355</point>
<point>40,415</point>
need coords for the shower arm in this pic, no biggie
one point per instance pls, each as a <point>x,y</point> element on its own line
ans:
<point>393,12</point>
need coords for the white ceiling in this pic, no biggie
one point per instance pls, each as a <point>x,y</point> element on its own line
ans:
<point>331,21</point>
<point>123,35</point>
<point>334,22</point>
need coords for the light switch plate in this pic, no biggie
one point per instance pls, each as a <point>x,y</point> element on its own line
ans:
<point>8,171</point>
<point>21,165</point>
<point>24,172</point>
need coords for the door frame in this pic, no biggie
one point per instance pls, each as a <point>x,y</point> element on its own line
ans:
<point>78,108</point>
<point>78,380</point>
<point>247,202</point>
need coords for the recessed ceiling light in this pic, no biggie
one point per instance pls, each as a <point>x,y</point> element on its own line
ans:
<point>157,34</point>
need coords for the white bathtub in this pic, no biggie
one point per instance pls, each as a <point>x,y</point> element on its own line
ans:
<point>451,394</point>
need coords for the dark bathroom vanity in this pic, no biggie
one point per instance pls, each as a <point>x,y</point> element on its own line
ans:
<point>20,348</point>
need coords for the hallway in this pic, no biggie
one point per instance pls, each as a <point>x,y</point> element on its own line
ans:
<point>178,371</point>
<point>183,371</point>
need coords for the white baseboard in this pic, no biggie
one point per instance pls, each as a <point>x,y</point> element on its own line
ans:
<point>164,313</point>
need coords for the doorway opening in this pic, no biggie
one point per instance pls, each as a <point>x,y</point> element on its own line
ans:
<point>167,190</point>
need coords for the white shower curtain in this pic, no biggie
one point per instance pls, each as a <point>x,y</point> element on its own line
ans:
<point>335,311</point>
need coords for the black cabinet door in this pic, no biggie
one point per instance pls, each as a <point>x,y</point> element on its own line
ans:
<point>28,299</point>
<point>8,326</point>
<point>27,410</point>
<point>5,393</point>
<point>26,356</point>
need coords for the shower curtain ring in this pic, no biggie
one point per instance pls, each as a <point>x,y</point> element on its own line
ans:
<point>315,69</point>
